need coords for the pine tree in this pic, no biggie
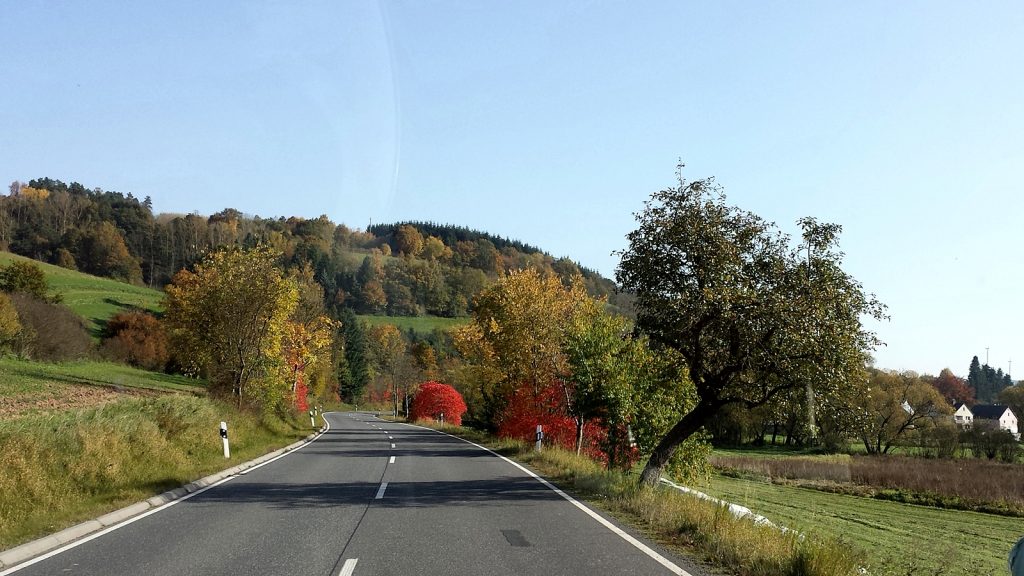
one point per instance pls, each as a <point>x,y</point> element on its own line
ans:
<point>354,371</point>
<point>975,378</point>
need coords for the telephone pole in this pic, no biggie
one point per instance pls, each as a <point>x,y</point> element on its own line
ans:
<point>986,355</point>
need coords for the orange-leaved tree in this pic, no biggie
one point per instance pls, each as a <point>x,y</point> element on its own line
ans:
<point>136,338</point>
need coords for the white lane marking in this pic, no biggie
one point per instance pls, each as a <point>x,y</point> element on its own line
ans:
<point>392,461</point>
<point>380,491</point>
<point>671,566</point>
<point>392,445</point>
<point>390,438</point>
<point>349,567</point>
<point>134,519</point>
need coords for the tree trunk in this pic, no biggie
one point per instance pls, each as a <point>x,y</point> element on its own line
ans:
<point>683,429</point>
<point>579,435</point>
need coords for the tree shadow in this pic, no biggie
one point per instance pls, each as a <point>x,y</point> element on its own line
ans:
<point>501,491</point>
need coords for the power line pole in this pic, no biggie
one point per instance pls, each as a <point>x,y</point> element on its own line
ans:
<point>986,355</point>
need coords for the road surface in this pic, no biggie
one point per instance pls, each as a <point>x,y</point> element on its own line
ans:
<point>370,497</point>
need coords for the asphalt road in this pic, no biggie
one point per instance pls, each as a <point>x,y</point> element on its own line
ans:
<point>370,498</point>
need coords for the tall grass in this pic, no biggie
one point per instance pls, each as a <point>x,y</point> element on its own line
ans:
<point>679,519</point>
<point>63,467</point>
<point>962,483</point>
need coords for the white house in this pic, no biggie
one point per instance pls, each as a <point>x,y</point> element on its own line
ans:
<point>998,415</point>
<point>963,416</point>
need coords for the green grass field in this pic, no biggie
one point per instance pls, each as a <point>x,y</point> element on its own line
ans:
<point>899,538</point>
<point>21,376</point>
<point>93,298</point>
<point>28,388</point>
<point>419,324</point>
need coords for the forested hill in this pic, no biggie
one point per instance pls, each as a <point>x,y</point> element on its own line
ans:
<point>403,269</point>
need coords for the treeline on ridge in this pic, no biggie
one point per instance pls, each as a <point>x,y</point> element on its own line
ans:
<point>404,269</point>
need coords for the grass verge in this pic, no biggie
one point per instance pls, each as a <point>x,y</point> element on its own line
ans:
<point>679,520</point>
<point>64,467</point>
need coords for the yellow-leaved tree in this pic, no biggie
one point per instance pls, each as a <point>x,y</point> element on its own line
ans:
<point>227,321</point>
<point>517,335</point>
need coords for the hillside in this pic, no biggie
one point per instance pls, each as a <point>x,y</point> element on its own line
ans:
<point>410,269</point>
<point>93,298</point>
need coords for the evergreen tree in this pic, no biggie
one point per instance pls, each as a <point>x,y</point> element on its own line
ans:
<point>975,378</point>
<point>353,369</point>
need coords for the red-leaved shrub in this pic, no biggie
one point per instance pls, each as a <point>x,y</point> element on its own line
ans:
<point>434,399</point>
<point>526,410</point>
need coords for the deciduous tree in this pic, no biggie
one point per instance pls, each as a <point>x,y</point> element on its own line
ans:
<point>752,315</point>
<point>895,403</point>
<point>227,321</point>
<point>953,388</point>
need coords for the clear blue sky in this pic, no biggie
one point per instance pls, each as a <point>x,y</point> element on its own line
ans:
<point>551,122</point>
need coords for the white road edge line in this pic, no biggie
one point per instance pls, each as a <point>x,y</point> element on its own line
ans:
<point>392,461</point>
<point>380,491</point>
<point>134,519</point>
<point>349,567</point>
<point>671,566</point>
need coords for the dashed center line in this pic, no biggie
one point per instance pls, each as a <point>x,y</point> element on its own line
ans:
<point>392,445</point>
<point>348,567</point>
<point>392,461</point>
<point>380,491</point>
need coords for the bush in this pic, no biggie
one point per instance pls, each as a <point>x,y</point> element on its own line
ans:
<point>10,327</point>
<point>138,339</point>
<point>50,331</point>
<point>435,399</point>
<point>25,278</point>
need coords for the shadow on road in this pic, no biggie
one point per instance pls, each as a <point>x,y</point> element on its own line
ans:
<point>503,491</point>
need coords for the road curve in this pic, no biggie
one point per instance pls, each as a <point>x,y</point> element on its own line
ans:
<point>371,497</point>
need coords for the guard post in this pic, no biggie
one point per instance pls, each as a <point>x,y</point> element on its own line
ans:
<point>540,436</point>
<point>224,439</point>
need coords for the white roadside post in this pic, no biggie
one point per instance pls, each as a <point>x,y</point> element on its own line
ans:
<point>442,418</point>
<point>540,436</point>
<point>312,421</point>
<point>224,438</point>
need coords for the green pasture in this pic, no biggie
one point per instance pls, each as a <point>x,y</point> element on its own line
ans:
<point>419,324</point>
<point>93,298</point>
<point>899,538</point>
<point>21,377</point>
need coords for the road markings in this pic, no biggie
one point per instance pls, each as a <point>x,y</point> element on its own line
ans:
<point>349,567</point>
<point>392,445</point>
<point>392,461</point>
<point>390,438</point>
<point>380,491</point>
<point>671,566</point>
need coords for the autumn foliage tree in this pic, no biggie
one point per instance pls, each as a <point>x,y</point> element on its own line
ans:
<point>228,319</point>
<point>895,404</point>
<point>435,399</point>
<point>136,338</point>
<point>515,342</point>
<point>953,388</point>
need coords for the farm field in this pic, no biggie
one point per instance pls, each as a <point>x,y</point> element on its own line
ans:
<point>419,324</point>
<point>32,387</point>
<point>93,298</point>
<point>900,538</point>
